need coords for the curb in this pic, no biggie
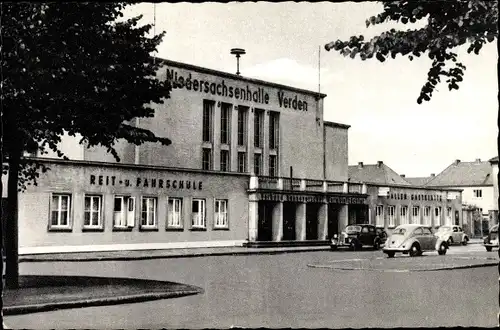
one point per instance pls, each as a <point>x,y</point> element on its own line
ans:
<point>405,270</point>
<point>146,257</point>
<point>46,307</point>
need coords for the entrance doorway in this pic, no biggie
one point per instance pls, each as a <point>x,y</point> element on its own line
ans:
<point>265,228</point>
<point>312,221</point>
<point>333,220</point>
<point>289,214</point>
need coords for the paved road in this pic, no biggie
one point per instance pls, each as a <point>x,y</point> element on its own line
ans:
<point>281,291</point>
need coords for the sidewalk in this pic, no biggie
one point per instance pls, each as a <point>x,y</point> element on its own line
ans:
<point>173,253</point>
<point>161,254</point>
<point>48,293</point>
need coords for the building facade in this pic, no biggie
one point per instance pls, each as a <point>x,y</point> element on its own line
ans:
<point>393,201</point>
<point>250,161</point>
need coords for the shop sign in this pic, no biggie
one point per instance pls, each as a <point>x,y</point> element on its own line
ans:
<point>141,182</point>
<point>311,199</point>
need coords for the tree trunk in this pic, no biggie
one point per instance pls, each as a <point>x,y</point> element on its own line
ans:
<point>11,228</point>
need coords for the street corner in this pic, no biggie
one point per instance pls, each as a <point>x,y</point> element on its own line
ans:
<point>403,263</point>
<point>49,293</point>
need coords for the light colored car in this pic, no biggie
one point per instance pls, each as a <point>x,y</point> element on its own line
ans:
<point>491,241</point>
<point>413,239</point>
<point>452,235</point>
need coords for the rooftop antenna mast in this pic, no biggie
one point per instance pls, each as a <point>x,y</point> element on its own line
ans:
<point>238,52</point>
<point>319,71</point>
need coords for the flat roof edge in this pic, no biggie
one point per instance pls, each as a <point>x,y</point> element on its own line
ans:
<point>238,77</point>
<point>334,124</point>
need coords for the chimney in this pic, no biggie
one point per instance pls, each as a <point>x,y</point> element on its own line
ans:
<point>457,161</point>
<point>478,160</point>
<point>433,175</point>
<point>360,165</point>
<point>379,163</point>
<point>402,175</point>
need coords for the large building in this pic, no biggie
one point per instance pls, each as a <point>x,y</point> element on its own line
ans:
<point>476,179</point>
<point>393,201</point>
<point>251,162</point>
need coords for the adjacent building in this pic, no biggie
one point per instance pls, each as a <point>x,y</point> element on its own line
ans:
<point>251,162</point>
<point>479,198</point>
<point>393,201</point>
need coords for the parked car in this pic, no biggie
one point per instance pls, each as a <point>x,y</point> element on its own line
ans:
<point>357,237</point>
<point>414,239</point>
<point>452,235</point>
<point>491,240</point>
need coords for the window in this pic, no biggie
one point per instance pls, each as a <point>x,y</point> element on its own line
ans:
<point>92,212</point>
<point>242,162</point>
<point>242,125</point>
<point>427,215</point>
<point>418,232</point>
<point>221,213</point>
<point>404,214</point>
<point>258,122</point>
<point>415,214</point>
<point>437,215</point>
<point>224,160</point>
<point>391,212</point>
<point>60,208</point>
<point>207,159</point>
<point>148,212</point>
<point>208,110</point>
<point>274,130</point>
<point>379,215</point>
<point>272,166</point>
<point>225,123</point>
<point>198,209</point>
<point>478,193</point>
<point>174,217</point>
<point>364,230</point>
<point>124,212</point>
<point>426,231</point>
<point>257,163</point>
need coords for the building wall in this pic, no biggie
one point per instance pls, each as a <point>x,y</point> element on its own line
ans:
<point>396,197</point>
<point>180,119</point>
<point>494,170</point>
<point>336,150</point>
<point>80,179</point>
<point>486,202</point>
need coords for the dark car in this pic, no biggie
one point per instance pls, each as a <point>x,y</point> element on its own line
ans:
<point>357,237</point>
<point>491,241</point>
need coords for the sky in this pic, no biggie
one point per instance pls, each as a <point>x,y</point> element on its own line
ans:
<point>284,43</point>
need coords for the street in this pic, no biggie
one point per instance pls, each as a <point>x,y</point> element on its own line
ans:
<point>282,291</point>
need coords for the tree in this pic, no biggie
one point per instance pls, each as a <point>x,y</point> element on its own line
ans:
<point>450,24</point>
<point>71,68</point>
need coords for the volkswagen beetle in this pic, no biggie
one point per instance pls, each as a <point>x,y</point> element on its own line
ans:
<point>413,239</point>
<point>452,235</point>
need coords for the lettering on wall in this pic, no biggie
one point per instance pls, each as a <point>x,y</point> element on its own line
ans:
<point>257,95</point>
<point>106,180</point>
<point>311,199</point>
<point>291,102</point>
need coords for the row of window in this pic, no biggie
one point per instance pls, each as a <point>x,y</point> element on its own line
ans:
<point>225,162</point>
<point>124,214</point>
<point>403,218</point>
<point>242,133</point>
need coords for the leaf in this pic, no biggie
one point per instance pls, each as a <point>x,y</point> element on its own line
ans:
<point>380,57</point>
